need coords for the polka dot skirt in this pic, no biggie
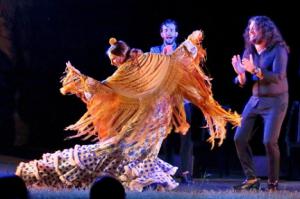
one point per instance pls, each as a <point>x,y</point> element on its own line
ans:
<point>135,166</point>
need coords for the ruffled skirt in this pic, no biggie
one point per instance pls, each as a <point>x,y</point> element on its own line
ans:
<point>80,166</point>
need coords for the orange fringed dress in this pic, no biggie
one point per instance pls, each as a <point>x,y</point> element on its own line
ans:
<point>131,113</point>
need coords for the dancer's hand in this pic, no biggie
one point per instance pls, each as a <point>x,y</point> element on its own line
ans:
<point>248,64</point>
<point>71,67</point>
<point>237,64</point>
<point>196,37</point>
<point>168,49</point>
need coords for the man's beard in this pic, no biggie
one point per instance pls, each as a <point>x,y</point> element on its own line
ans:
<point>170,41</point>
<point>257,40</point>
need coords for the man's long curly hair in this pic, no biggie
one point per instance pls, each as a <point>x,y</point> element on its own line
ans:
<point>270,33</point>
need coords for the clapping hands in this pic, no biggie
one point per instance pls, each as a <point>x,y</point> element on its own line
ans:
<point>237,64</point>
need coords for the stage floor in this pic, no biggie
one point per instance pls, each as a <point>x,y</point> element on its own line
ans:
<point>8,165</point>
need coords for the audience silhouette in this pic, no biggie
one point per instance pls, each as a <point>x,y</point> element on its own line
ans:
<point>109,187</point>
<point>13,187</point>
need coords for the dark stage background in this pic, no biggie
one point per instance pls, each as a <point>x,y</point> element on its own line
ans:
<point>39,36</point>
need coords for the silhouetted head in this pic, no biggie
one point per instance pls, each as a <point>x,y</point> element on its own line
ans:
<point>109,187</point>
<point>13,187</point>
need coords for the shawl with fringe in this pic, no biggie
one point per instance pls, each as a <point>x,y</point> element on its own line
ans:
<point>118,107</point>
